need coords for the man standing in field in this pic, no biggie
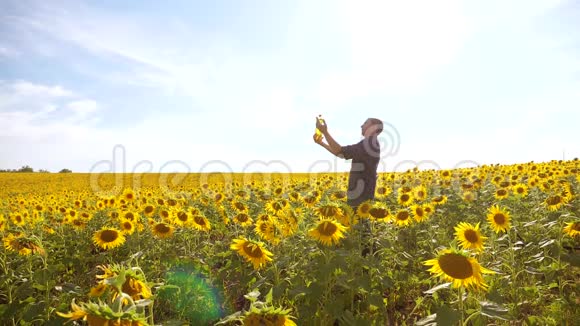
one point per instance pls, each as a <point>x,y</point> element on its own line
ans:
<point>365,157</point>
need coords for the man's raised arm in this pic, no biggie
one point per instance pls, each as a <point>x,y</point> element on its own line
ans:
<point>332,146</point>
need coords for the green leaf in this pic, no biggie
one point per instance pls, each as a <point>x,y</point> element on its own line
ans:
<point>573,259</point>
<point>269,296</point>
<point>437,288</point>
<point>447,316</point>
<point>252,296</point>
<point>428,321</point>
<point>546,243</point>
<point>494,310</point>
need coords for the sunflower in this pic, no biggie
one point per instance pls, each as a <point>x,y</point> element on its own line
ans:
<point>420,193</point>
<point>379,212</point>
<point>267,316</point>
<point>520,190</point>
<point>136,288</point>
<point>554,202</point>
<point>22,245</point>
<point>348,216</point>
<point>127,227</point>
<point>469,236</point>
<point>239,206</point>
<point>468,196</point>
<point>78,223</point>
<point>501,193</point>
<point>275,206</point>
<point>338,195</point>
<point>572,229</point>
<point>77,312</point>
<point>499,219</point>
<point>402,217</point>
<point>455,266</point>
<point>445,174</point>
<point>294,196</point>
<point>419,213</point>
<point>18,219</point>
<point>266,230</point>
<point>328,231</point>
<point>181,218</point>
<point>364,208</point>
<point>428,208</point>
<point>329,211</point>
<point>165,214</point>
<point>108,238</point>
<point>148,210</point>
<point>252,251</point>
<point>243,219</point>
<point>405,198</point>
<point>310,200</point>
<point>98,290</point>
<point>439,200</point>
<point>128,195</point>
<point>289,220</point>
<point>218,197</point>
<point>382,192</point>
<point>200,222</point>
<point>162,230</point>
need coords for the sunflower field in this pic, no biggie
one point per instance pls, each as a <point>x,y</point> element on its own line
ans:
<point>494,244</point>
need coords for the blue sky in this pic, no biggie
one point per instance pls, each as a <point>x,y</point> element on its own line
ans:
<point>235,85</point>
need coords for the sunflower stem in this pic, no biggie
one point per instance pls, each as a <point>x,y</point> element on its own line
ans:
<point>460,290</point>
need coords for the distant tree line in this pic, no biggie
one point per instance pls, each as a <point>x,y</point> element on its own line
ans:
<point>28,169</point>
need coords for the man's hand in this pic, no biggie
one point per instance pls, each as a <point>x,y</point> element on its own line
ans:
<point>321,126</point>
<point>318,139</point>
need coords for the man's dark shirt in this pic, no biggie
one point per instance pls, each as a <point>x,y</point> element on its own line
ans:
<point>362,181</point>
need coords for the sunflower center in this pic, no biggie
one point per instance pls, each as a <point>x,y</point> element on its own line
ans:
<point>419,211</point>
<point>553,200</point>
<point>240,206</point>
<point>382,190</point>
<point>340,194</point>
<point>365,208</point>
<point>162,228</point>
<point>502,192</point>
<point>327,228</point>
<point>378,213</point>
<point>109,235</point>
<point>182,216</point>
<point>520,190</point>
<point>242,217</point>
<point>405,197</point>
<point>328,211</point>
<point>471,236</point>
<point>127,226</point>
<point>456,266</point>
<point>199,220</point>
<point>499,218</point>
<point>402,216</point>
<point>148,209</point>
<point>576,226</point>
<point>253,250</point>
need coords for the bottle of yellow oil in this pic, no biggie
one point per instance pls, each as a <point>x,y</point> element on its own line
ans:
<point>317,132</point>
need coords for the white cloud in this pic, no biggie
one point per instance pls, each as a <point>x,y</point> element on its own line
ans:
<point>397,44</point>
<point>32,112</point>
<point>82,108</point>
<point>8,52</point>
<point>24,88</point>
